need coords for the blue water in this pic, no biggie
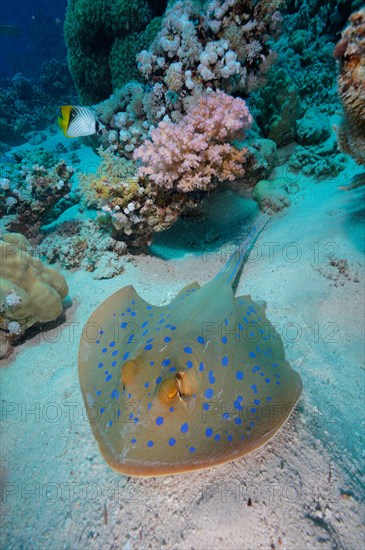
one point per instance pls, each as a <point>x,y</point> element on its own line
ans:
<point>40,27</point>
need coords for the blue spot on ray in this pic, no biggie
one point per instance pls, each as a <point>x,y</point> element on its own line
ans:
<point>211,377</point>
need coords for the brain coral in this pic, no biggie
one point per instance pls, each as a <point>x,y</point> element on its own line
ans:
<point>30,292</point>
<point>350,51</point>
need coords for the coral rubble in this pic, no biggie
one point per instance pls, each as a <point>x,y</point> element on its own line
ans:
<point>77,245</point>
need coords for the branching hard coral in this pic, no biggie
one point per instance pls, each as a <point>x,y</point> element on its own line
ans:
<point>350,51</point>
<point>30,291</point>
<point>195,153</point>
<point>226,46</point>
<point>125,118</point>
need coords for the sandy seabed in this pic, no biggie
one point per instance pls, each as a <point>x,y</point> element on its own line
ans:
<point>303,489</point>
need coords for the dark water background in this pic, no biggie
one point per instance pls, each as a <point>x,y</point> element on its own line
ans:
<point>40,25</point>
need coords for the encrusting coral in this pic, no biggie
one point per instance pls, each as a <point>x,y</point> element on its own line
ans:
<point>350,51</point>
<point>195,153</point>
<point>30,291</point>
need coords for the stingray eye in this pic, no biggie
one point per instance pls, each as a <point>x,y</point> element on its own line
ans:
<point>182,384</point>
<point>129,373</point>
<point>168,390</point>
<point>179,386</point>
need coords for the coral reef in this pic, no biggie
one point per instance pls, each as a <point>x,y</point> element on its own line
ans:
<point>89,249</point>
<point>27,105</point>
<point>350,51</point>
<point>195,153</point>
<point>304,50</point>
<point>125,118</point>
<point>261,159</point>
<point>276,107</point>
<point>320,17</point>
<point>98,35</point>
<point>225,46</point>
<point>179,126</point>
<point>181,160</point>
<point>30,291</point>
<point>318,160</point>
<point>312,128</point>
<point>274,195</point>
<point>122,58</point>
<point>34,194</point>
<point>131,208</point>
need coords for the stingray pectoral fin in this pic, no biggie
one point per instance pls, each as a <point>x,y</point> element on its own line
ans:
<point>278,412</point>
<point>271,416</point>
<point>109,341</point>
<point>184,292</point>
<point>245,301</point>
<point>106,317</point>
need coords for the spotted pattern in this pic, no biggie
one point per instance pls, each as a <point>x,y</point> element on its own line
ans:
<point>257,370</point>
<point>210,377</point>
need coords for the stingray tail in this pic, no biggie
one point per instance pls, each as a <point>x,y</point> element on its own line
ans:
<point>236,261</point>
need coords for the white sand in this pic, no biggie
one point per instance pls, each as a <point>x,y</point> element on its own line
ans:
<point>304,485</point>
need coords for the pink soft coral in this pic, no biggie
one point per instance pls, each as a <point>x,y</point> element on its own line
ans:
<point>195,153</point>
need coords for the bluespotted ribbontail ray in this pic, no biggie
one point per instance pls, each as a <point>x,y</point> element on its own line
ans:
<point>190,385</point>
